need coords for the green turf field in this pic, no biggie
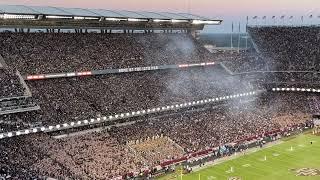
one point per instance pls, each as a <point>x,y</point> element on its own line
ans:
<point>281,163</point>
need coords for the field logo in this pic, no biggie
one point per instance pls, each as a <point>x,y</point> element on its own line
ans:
<point>307,172</point>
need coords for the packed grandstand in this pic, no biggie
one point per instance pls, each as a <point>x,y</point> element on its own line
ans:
<point>140,123</point>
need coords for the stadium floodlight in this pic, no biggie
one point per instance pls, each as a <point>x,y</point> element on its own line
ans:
<point>158,109</point>
<point>91,120</point>
<point>127,114</point>
<point>34,130</point>
<point>27,131</point>
<point>18,133</point>
<point>78,17</point>
<point>87,18</point>
<point>161,20</point>
<point>143,111</point>
<point>206,22</point>
<point>110,117</point>
<point>172,106</point>
<point>58,17</point>
<point>104,118</point>
<point>50,127</point>
<point>58,126</point>
<point>288,89</point>
<point>273,89</point>
<point>293,89</point>
<point>201,101</point>
<point>98,119</point>
<point>318,90</point>
<point>283,89</point>
<point>79,122</point>
<point>138,112</point>
<point>1,136</point>
<point>185,104</point>
<point>122,115</point>
<point>179,21</point>
<point>16,16</point>
<point>303,89</point>
<point>115,19</point>
<point>177,106</point>
<point>205,101</point>
<point>154,109</point>
<point>72,124</point>
<point>163,108</point>
<point>43,129</point>
<point>10,134</point>
<point>116,116</point>
<point>308,90</point>
<point>148,110</point>
<point>65,125</point>
<point>86,121</point>
<point>133,113</point>
<point>136,20</point>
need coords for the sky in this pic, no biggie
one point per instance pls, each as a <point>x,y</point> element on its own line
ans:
<point>228,10</point>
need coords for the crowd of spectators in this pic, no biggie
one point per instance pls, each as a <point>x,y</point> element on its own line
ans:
<point>196,131</point>
<point>244,61</point>
<point>36,53</point>
<point>156,149</point>
<point>72,99</point>
<point>10,84</point>
<point>111,153</point>
<point>288,48</point>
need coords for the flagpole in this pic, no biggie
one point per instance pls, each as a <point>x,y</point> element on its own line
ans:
<point>247,33</point>
<point>232,37</point>
<point>199,177</point>
<point>239,38</point>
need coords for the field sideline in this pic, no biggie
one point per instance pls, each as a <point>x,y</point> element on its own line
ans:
<point>283,161</point>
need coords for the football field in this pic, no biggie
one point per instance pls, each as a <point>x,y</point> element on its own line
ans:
<point>294,158</point>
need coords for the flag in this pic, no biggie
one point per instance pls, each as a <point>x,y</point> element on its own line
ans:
<point>264,17</point>
<point>255,17</point>
<point>282,17</point>
<point>239,27</point>
<point>273,17</point>
<point>311,16</point>
<point>291,17</point>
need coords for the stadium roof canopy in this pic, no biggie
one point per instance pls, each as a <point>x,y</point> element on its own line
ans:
<point>47,17</point>
<point>98,13</point>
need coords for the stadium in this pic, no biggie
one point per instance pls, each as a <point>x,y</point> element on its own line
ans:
<point>116,94</point>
